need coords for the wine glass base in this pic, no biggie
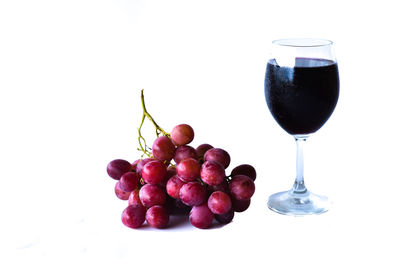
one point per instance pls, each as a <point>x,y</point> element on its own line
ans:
<point>298,204</point>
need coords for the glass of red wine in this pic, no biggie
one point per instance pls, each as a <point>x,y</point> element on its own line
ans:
<point>301,90</point>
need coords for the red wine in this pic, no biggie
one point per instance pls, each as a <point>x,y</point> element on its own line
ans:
<point>303,97</point>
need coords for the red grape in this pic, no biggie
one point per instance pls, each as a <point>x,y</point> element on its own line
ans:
<point>192,194</point>
<point>245,169</point>
<point>163,148</point>
<point>219,202</point>
<point>218,155</point>
<point>225,218</point>
<point>141,164</point>
<point>201,216</point>
<point>133,216</point>
<point>154,172</point>
<point>241,187</point>
<point>240,205</point>
<point>202,149</point>
<point>134,164</point>
<point>129,181</point>
<point>212,173</point>
<point>182,134</point>
<point>117,168</point>
<point>134,198</point>
<point>188,169</point>
<point>157,217</point>
<point>224,187</point>
<point>184,152</point>
<point>171,171</point>
<point>174,184</point>
<point>151,195</point>
<point>121,194</point>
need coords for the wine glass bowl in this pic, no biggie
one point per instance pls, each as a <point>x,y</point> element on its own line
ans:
<point>301,91</point>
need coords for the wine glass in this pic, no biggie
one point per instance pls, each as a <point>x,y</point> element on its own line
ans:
<point>301,90</point>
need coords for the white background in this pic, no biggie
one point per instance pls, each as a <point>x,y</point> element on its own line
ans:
<point>70,79</point>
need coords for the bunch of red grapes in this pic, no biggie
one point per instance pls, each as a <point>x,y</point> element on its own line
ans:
<point>195,183</point>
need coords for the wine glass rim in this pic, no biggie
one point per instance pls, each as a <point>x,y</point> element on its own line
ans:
<point>302,42</point>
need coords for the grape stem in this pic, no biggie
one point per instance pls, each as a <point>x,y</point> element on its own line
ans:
<point>142,141</point>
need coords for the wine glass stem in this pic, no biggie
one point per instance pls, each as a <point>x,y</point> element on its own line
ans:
<point>299,186</point>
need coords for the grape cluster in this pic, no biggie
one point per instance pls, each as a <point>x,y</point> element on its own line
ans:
<point>178,179</point>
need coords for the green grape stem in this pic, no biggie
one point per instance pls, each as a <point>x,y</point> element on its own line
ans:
<point>142,141</point>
